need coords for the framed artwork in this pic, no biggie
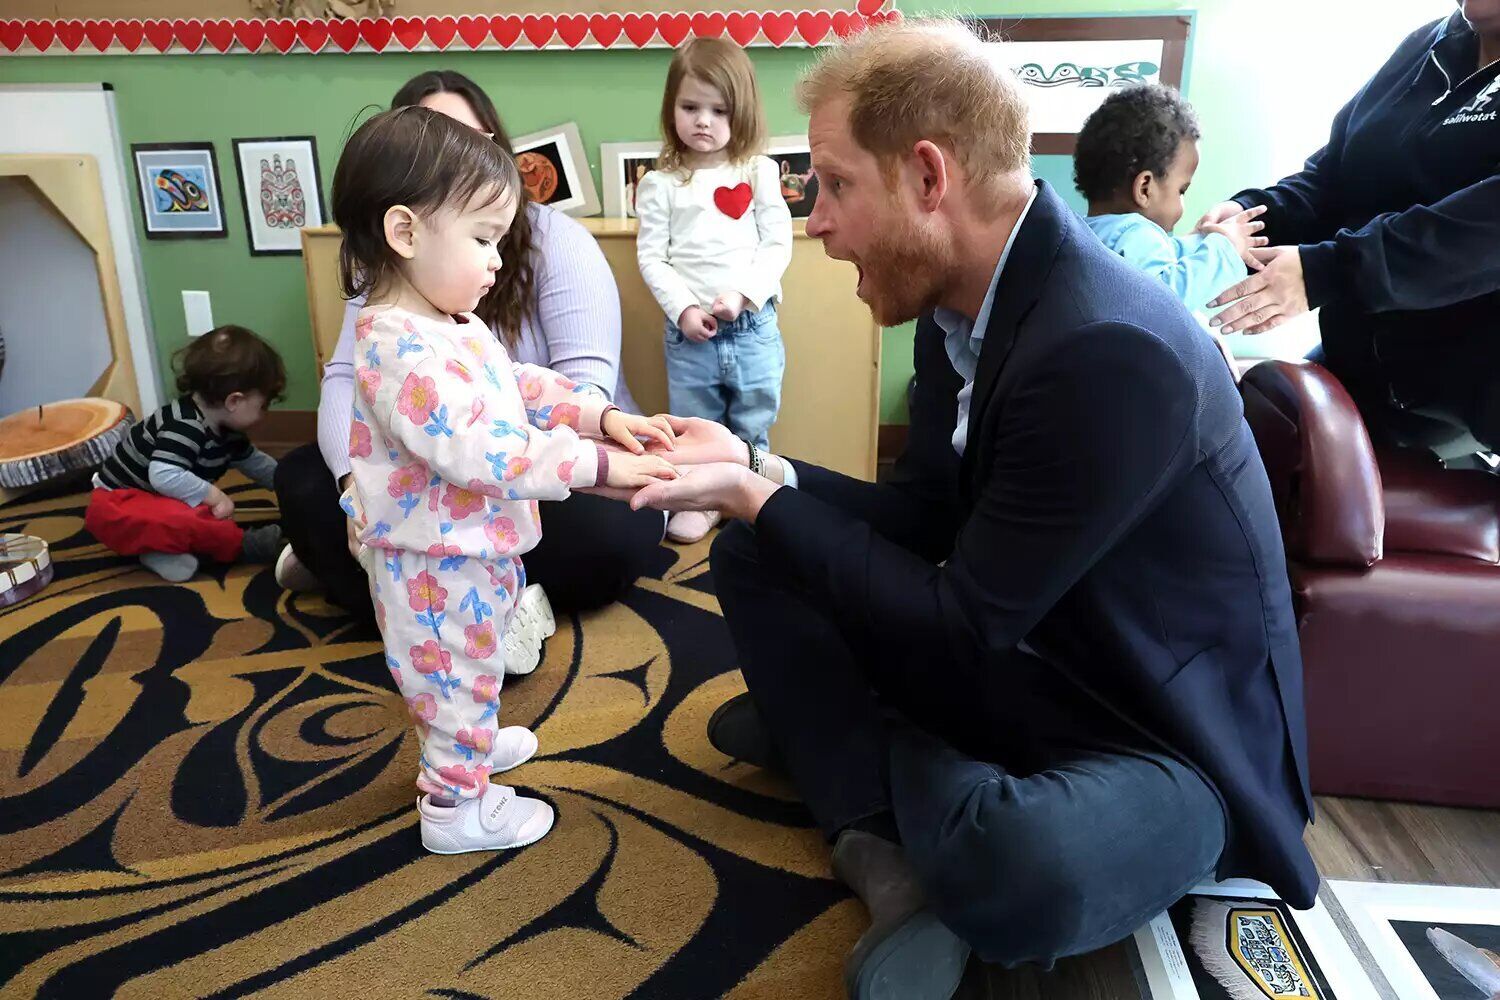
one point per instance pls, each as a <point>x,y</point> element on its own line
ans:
<point>179,188</point>
<point>623,164</point>
<point>1068,65</point>
<point>799,183</point>
<point>555,170</point>
<point>1432,942</point>
<point>281,191</point>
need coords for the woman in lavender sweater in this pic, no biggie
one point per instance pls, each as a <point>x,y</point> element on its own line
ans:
<point>554,304</point>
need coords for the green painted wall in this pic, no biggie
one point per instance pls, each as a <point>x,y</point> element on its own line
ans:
<point>611,95</point>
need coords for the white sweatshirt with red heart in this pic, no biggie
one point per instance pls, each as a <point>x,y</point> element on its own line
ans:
<point>724,229</point>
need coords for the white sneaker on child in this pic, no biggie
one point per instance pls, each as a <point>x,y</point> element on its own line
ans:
<point>532,623</point>
<point>689,526</point>
<point>497,820</point>
<point>512,747</point>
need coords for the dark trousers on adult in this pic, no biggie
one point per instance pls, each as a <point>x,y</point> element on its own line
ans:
<point>592,549</point>
<point>1040,823</point>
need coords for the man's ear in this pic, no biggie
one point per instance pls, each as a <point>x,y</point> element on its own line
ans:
<point>400,224</point>
<point>1142,188</point>
<point>931,167</point>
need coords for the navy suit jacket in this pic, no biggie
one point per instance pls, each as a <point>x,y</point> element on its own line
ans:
<point>1110,510</point>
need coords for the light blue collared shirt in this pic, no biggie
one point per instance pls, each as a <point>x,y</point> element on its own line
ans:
<point>963,338</point>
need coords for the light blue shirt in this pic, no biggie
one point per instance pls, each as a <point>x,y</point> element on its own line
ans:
<point>1196,267</point>
<point>963,338</point>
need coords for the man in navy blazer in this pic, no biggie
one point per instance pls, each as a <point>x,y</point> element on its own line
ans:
<point>1046,679</point>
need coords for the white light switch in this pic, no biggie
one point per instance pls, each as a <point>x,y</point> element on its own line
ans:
<point>198,312</point>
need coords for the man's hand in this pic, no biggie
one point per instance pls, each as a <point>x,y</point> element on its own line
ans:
<point>1264,301</point>
<point>697,325</point>
<point>728,306</point>
<point>219,503</point>
<point>1223,210</point>
<point>699,442</point>
<point>624,428</point>
<point>722,486</point>
<point>1240,230</point>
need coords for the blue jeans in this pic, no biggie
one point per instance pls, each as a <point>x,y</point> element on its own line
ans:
<point>733,378</point>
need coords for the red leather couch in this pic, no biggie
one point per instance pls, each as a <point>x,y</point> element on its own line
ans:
<point>1395,570</point>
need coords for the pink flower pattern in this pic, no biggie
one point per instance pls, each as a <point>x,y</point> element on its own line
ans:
<point>429,658</point>
<point>501,531</point>
<point>407,479</point>
<point>424,593</point>
<point>462,501</point>
<point>565,415</point>
<point>369,382</point>
<point>359,439</point>
<point>486,688</point>
<point>419,397</point>
<point>479,640</point>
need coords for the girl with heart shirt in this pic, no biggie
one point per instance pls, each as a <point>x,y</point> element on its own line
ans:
<point>451,444</point>
<point>715,238</point>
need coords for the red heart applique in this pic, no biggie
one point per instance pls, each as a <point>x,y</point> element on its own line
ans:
<point>100,33</point>
<point>538,28</point>
<point>743,27</point>
<point>606,28</point>
<point>473,30</point>
<point>708,25</point>
<point>639,28</point>
<point>12,34</point>
<point>441,30</point>
<point>674,28</point>
<point>573,29</point>
<point>220,34</point>
<point>733,201</point>
<point>409,31</point>
<point>345,34</point>
<point>282,35</point>
<point>250,34</point>
<point>70,33</point>
<point>868,7</point>
<point>312,34</point>
<point>778,27</point>
<point>506,29</point>
<point>130,34</point>
<point>159,34</point>
<point>376,32</point>
<point>40,34</point>
<point>847,25</point>
<point>189,33</point>
<point>813,25</point>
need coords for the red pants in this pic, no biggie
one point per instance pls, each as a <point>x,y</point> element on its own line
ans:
<point>133,521</point>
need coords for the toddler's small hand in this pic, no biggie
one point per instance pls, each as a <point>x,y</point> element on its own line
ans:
<point>624,428</point>
<point>1240,230</point>
<point>697,325</point>
<point>728,306</point>
<point>219,503</point>
<point>634,471</point>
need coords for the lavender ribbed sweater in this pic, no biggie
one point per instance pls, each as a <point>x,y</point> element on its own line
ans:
<point>574,329</point>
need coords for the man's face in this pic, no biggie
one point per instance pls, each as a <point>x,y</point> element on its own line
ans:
<point>877,225</point>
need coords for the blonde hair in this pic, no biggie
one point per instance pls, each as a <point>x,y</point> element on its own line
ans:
<point>933,80</point>
<point>725,67</point>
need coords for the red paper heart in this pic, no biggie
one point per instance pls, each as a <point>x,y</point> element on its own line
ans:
<point>733,201</point>
<point>70,33</point>
<point>813,25</point>
<point>312,34</point>
<point>376,32</point>
<point>743,27</point>
<point>506,29</point>
<point>847,25</point>
<point>99,34</point>
<point>408,31</point>
<point>538,28</point>
<point>345,34</point>
<point>220,34</point>
<point>40,34</point>
<point>159,34</point>
<point>674,28</point>
<point>868,7</point>
<point>573,29</point>
<point>473,30</point>
<point>639,28</point>
<point>606,28</point>
<point>440,30</point>
<point>189,33</point>
<point>130,34</point>
<point>250,34</point>
<point>12,34</point>
<point>282,35</point>
<point>778,27</point>
<point>708,25</point>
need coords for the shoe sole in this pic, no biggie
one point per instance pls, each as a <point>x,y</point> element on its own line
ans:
<point>549,629</point>
<point>508,847</point>
<point>919,960</point>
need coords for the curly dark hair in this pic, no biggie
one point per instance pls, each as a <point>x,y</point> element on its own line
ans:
<point>226,360</point>
<point>1135,129</point>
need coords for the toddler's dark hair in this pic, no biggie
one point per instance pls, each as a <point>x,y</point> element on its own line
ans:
<point>1135,129</point>
<point>226,360</point>
<point>410,156</point>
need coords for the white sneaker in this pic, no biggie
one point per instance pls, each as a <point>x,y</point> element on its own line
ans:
<point>513,746</point>
<point>497,820</point>
<point>532,624</point>
<point>292,575</point>
<point>689,526</point>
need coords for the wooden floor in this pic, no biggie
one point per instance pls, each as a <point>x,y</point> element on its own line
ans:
<point>1352,839</point>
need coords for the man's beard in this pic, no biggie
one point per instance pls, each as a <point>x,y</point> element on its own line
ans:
<point>903,273</point>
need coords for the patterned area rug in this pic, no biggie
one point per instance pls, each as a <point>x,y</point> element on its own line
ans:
<point>206,790</point>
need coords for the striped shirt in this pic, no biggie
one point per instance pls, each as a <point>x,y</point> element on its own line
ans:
<point>178,434</point>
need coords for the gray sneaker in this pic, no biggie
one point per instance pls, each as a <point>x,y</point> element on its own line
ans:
<point>261,545</point>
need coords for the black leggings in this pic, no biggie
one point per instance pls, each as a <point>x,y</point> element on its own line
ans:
<point>592,549</point>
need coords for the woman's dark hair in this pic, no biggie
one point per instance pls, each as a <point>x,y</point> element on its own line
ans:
<point>226,360</point>
<point>506,305</point>
<point>1135,129</point>
<point>414,157</point>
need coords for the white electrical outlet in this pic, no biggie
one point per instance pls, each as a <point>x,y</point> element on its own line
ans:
<point>198,312</point>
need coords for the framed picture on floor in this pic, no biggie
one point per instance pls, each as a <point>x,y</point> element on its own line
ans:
<point>1431,942</point>
<point>799,184</point>
<point>178,184</point>
<point>555,170</point>
<point>623,165</point>
<point>281,191</point>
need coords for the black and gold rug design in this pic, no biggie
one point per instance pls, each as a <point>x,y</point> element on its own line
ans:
<point>206,790</point>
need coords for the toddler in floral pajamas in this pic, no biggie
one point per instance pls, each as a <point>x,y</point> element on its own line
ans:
<point>451,445</point>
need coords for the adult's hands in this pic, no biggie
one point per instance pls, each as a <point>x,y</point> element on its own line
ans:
<point>1266,299</point>
<point>722,486</point>
<point>699,442</point>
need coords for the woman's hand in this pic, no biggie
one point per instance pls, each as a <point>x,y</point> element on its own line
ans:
<point>1264,301</point>
<point>698,442</point>
<point>625,428</point>
<point>721,486</point>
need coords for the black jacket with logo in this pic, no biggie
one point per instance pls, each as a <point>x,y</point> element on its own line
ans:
<point>1398,217</point>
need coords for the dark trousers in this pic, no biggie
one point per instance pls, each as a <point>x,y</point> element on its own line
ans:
<point>1040,824</point>
<point>592,549</point>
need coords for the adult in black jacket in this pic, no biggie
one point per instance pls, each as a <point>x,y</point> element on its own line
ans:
<point>1393,228</point>
<point>1056,658</point>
